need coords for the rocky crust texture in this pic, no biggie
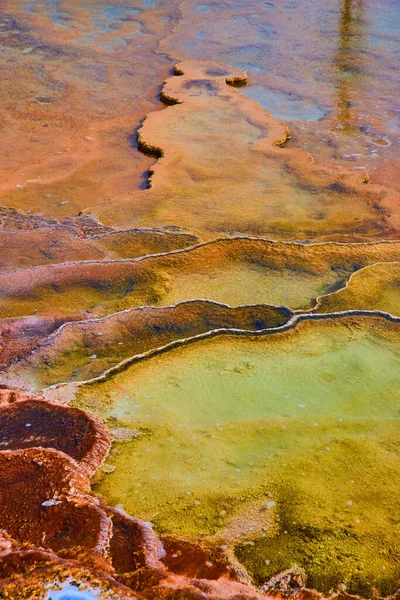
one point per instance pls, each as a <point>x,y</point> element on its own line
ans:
<point>198,368</point>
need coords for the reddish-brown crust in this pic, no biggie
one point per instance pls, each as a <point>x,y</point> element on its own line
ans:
<point>25,570</point>
<point>63,532</point>
<point>44,501</point>
<point>135,552</point>
<point>196,560</point>
<point>8,397</point>
<point>133,544</point>
<point>18,336</point>
<point>30,423</point>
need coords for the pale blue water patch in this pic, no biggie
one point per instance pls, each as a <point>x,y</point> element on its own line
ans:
<point>386,19</point>
<point>394,126</point>
<point>258,36</point>
<point>206,8</point>
<point>72,592</point>
<point>57,16</point>
<point>106,18</point>
<point>60,19</point>
<point>249,67</point>
<point>287,107</point>
<point>111,45</point>
<point>29,6</point>
<point>384,29</point>
<point>150,3</point>
<point>252,57</point>
<point>203,8</point>
<point>253,20</point>
<point>112,11</point>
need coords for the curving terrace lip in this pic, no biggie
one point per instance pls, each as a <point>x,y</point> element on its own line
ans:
<point>290,324</point>
<point>108,518</point>
<point>348,282</point>
<point>235,80</point>
<point>84,467</point>
<point>266,311</point>
<point>72,324</point>
<point>221,239</point>
<point>89,451</point>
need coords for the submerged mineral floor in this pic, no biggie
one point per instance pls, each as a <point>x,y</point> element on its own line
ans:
<point>199,300</point>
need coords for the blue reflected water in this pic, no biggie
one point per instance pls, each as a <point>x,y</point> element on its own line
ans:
<point>72,592</point>
<point>285,106</point>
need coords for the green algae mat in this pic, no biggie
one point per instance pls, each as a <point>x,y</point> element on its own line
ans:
<point>284,446</point>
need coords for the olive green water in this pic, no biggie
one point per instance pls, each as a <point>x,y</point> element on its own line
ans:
<point>234,285</point>
<point>243,284</point>
<point>300,428</point>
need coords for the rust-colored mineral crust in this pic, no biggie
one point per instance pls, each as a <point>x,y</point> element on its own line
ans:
<point>44,500</point>
<point>198,561</point>
<point>9,397</point>
<point>20,335</point>
<point>133,544</point>
<point>130,227</point>
<point>30,573</point>
<point>30,423</point>
<point>135,552</point>
<point>44,504</point>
